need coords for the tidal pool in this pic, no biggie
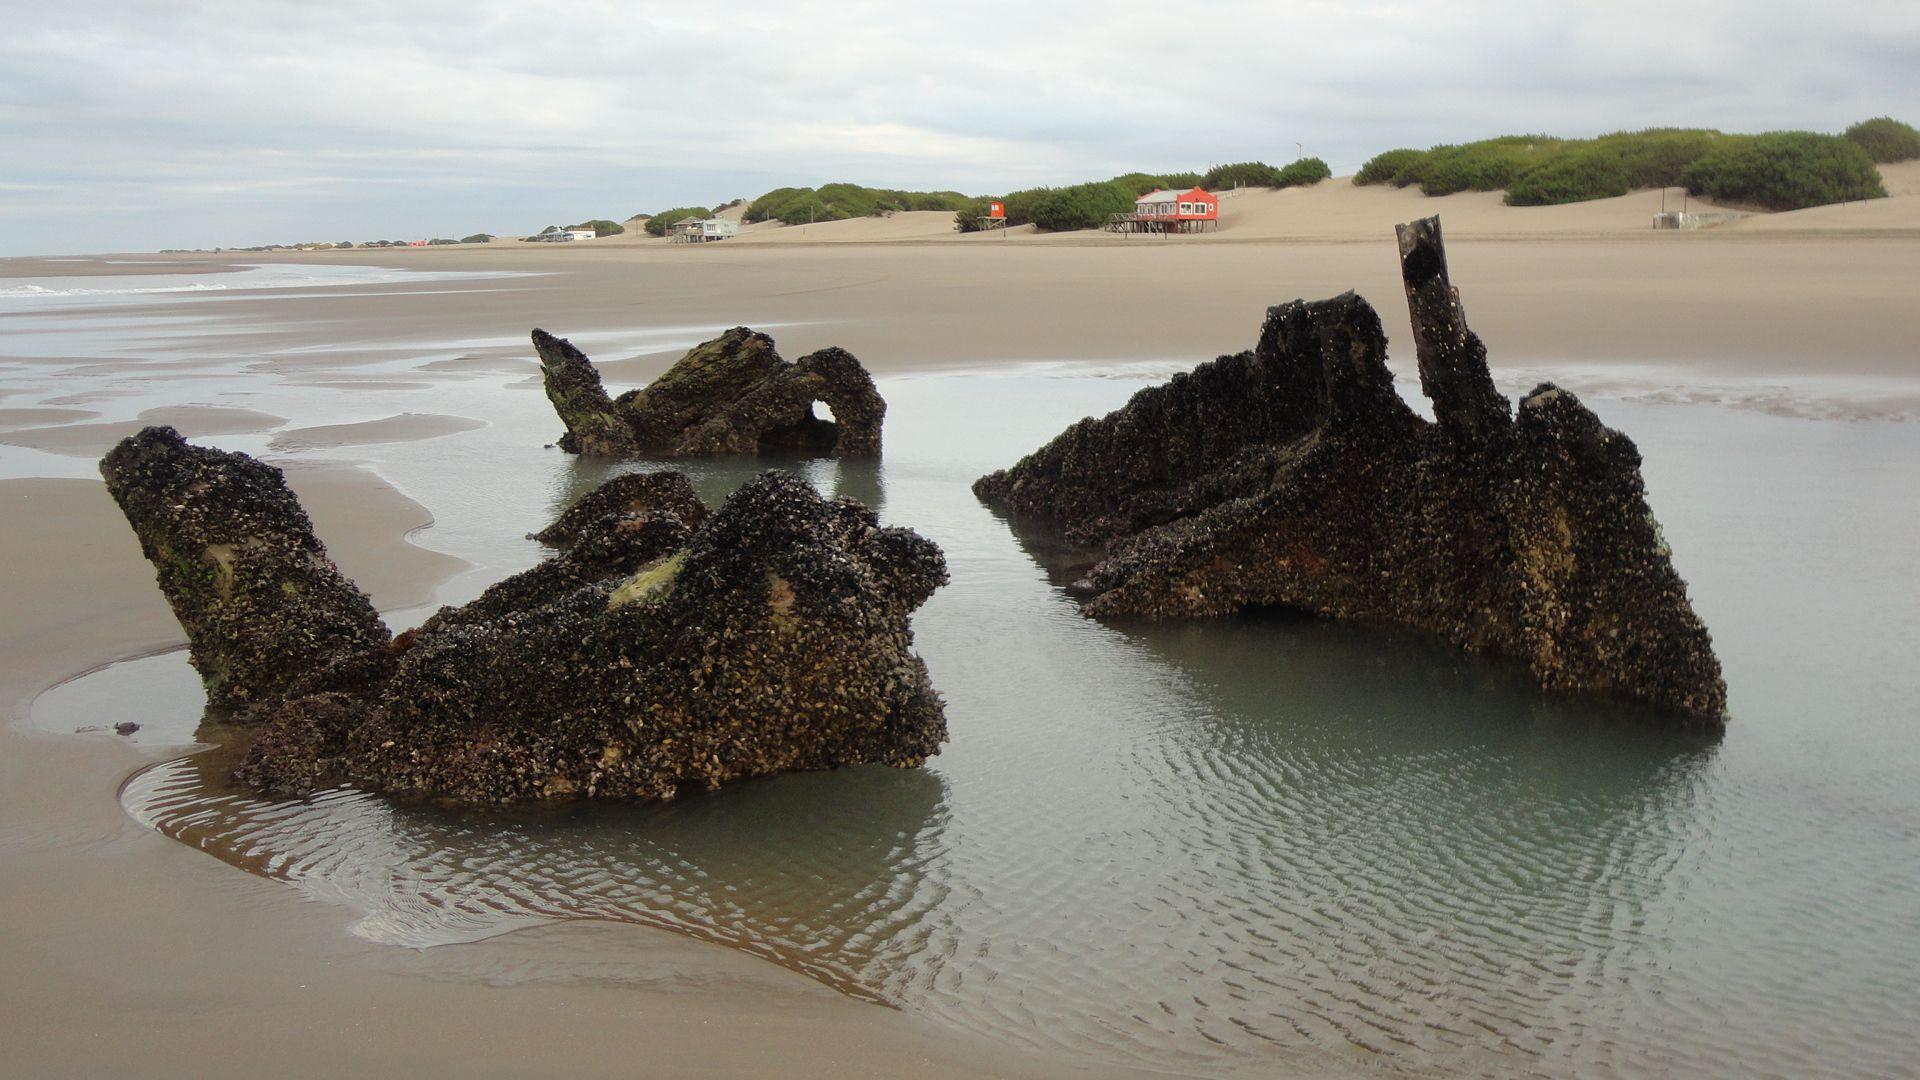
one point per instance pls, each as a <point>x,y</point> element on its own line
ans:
<point>1232,845</point>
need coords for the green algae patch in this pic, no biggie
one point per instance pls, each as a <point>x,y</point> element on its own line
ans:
<point>650,582</point>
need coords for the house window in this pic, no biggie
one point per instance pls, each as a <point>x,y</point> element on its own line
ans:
<point>1186,208</point>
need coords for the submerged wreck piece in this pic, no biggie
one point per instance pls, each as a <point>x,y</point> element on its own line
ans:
<point>653,655</point>
<point>731,395</point>
<point>628,493</point>
<point>1295,476</point>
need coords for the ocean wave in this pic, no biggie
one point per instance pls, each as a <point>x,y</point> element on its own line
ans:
<point>41,290</point>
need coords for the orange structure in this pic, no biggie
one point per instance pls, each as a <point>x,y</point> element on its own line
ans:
<point>1170,212</point>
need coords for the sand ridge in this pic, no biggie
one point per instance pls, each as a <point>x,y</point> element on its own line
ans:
<point>404,427</point>
<point>93,440</point>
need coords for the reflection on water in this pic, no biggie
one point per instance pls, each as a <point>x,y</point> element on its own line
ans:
<point>716,478</point>
<point>811,870</point>
<point>1224,844</point>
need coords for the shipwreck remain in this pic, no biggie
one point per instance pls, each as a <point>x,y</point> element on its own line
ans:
<point>1294,476</point>
<point>731,395</point>
<point>666,648</point>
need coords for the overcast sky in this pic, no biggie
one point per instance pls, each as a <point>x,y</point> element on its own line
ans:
<point>135,126</point>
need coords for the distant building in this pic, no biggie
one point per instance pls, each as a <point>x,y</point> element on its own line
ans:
<point>582,234</point>
<point>702,230</point>
<point>1169,212</point>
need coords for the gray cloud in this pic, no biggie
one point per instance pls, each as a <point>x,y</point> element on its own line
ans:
<point>132,125</point>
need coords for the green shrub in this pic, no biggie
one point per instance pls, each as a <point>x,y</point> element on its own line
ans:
<point>968,217</point>
<point>1019,206</point>
<point>657,224</point>
<point>1539,169</point>
<point>1656,157</point>
<point>1885,139</point>
<point>1310,170</point>
<point>601,227</point>
<point>834,202</point>
<point>1389,167</point>
<point>1139,183</point>
<point>1242,174</point>
<point>476,238</point>
<point>1487,165</point>
<point>1786,170</point>
<point>1589,173</point>
<point>1082,206</point>
<point>1261,174</point>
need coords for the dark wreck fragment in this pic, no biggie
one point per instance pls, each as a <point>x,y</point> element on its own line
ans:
<point>653,655</point>
<point>1295,476</point>
<point>731,395</point>
<point>264,608</point>
<point>629,493</point>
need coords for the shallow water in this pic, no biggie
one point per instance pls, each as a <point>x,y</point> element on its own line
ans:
<point>1222,845</point>
<point>1251,844</point>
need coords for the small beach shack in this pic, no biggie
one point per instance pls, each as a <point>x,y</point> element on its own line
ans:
<point>702,230</point>
<point>582,234</point>
<point>1192,210</point>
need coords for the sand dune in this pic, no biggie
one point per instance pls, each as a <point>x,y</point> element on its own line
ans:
<point>1336,210</point>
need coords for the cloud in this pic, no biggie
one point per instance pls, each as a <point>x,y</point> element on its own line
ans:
<point>135,124</point>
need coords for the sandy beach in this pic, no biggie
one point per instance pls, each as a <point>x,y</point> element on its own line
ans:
<point>1804,299</point>
<point>147,957</point>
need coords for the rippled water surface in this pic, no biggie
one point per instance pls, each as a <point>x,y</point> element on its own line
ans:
<point>1228,845</point>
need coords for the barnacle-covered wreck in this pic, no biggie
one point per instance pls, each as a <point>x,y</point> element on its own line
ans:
<point>666,648</point>
<point>1294,476</point>
<point>731,395</point>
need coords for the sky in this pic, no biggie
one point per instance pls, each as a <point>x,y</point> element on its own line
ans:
<point>128,125</point>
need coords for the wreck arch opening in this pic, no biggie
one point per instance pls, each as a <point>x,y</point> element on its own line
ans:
<point>811,433</point>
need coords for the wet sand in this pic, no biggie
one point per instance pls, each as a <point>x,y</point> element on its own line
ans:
<point>93,440</point>
<point>1672,308</point>
<point>406,427</point>
<point>13,419</point>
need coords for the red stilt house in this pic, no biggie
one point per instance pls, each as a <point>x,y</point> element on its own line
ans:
<point>1170,212</point>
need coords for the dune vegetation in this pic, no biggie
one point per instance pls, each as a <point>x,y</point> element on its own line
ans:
<point>1784,170</point>
<point>601,227</point>
<point>1778,171</point>
<point>836,202</point>
<point>1885,139</point>
<point>1088,206</point>
<point>657,224</point>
